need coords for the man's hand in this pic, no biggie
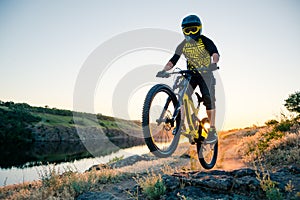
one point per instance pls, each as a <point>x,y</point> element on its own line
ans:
<point>213,67</point>
<point>163,74</point>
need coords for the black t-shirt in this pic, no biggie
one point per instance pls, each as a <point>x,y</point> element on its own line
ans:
<point>198,53</point>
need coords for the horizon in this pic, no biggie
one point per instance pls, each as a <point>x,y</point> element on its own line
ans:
<point>234,128</point>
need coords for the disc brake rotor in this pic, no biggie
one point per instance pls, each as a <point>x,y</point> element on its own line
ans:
<point>168,116</point>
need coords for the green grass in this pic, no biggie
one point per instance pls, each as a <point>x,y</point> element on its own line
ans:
<point>57,117</point>
<point>51,120</point>
<point>68,121</point>
<point>152,185</point>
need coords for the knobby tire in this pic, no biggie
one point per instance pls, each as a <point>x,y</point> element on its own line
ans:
<point>146,120</point>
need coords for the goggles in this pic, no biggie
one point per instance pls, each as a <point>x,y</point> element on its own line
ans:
<point>191,30</point>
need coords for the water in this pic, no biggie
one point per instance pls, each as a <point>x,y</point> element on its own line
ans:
<point>19,164</point>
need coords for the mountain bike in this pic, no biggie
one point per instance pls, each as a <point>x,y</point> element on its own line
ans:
<point>164,111</point>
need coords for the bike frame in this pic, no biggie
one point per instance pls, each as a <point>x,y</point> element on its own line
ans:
<point>190,111</point>
<point>179,110</point>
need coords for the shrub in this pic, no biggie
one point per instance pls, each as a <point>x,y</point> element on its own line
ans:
<point>283,126</point>
<point>152,185</point>
<point>271,122</point>
<point>267,185</point>
<point>292,103</point>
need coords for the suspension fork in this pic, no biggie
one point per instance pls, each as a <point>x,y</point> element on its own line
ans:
<point>160,119</point>
<point>181,102</point>
<point>175,114</point>
<point>178,106</point>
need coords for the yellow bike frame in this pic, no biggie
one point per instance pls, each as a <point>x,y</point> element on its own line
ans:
<point>190,109</point>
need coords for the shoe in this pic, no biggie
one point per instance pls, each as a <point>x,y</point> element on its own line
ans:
<point>212,136</point>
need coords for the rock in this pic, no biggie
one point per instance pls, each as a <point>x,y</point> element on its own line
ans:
<point>243,172</point>
<point>131,160</point>
<point>240,184</point>
<point>171,182</point>
<point>127,161</point>
<point>237,184</point>
<point>217,184</point>
<point>122,163</point>
<point>99,167</point>
<point>287,175</point>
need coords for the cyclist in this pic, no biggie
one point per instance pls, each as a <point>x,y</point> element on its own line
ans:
<point>201,54</point>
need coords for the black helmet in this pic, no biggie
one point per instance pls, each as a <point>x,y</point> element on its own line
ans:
<point>191,20</point>
<point>188,24</point>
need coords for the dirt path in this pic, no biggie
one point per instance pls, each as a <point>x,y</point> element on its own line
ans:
<point>229,157</point>
<point>185,157</point>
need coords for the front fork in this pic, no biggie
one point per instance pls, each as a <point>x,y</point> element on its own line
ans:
<point>162,115</point>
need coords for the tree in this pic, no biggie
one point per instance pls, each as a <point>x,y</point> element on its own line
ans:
<point>292,103</point>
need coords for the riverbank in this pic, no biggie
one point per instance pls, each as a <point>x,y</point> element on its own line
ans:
<point>32,170</point>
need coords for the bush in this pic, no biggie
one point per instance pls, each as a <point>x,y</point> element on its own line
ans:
<point>283,126</point>
<point>292,103</point>
<point>271,122</point>
<point>152,185</point>
<point>14,125</point>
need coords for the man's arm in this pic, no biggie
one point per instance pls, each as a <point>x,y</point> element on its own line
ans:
<point>168,66</point>
<point>211,48</point>
<point>172,62</point>
<point>215,58</point>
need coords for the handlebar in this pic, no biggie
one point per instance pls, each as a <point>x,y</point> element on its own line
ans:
<point>191,72</point>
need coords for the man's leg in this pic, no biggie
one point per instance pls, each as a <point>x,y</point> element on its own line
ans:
<point>207,87</point>
<point>211,114</point>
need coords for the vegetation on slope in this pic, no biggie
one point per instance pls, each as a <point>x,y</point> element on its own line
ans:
<point>21,122</point>
<point>276,145</point>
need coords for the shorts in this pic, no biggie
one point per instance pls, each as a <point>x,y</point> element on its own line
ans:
<point>207,85</point>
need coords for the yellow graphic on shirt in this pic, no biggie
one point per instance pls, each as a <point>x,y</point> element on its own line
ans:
<point>196,54</point>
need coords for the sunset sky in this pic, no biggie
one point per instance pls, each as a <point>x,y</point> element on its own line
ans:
<point>44,44</point>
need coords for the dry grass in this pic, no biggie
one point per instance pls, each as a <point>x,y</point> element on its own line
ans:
<point>54,185</point>
<point>272,147</point>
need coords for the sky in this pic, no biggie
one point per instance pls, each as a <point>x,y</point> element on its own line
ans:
<point>44,44</point>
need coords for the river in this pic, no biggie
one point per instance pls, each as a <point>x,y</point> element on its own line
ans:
<point>23,163</point>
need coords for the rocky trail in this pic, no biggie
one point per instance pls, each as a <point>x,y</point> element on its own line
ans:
<point>184,178</point>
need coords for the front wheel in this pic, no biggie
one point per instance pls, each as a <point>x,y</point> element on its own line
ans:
<point>161,132</point>
<point>207,153</point>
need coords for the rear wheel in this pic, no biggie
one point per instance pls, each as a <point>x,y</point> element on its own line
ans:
<point>161,133</point>
<point>207,153</point>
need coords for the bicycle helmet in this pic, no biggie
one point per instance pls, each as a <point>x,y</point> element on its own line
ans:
<point>190,21</point>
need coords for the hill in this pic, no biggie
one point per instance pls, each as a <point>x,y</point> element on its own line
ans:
<point>20,122</point>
